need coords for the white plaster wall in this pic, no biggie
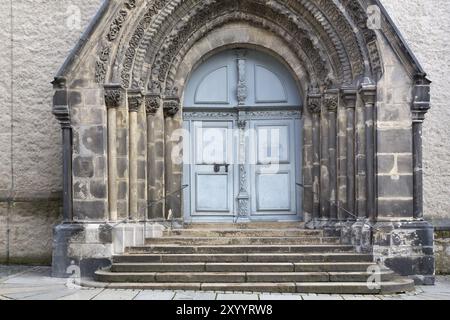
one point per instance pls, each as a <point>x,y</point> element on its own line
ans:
<point>425,24</point>
<point>42,34</point>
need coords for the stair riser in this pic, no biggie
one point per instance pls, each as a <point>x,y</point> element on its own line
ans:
<point>245,241</point>
<point>243,233</point>
<point>334,288</point>
<point>240,277</point>
<point>237,249</point>
<point>226,267</point>
<point>242,258</point>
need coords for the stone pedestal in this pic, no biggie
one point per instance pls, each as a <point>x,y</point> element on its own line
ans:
<point>407,248</point>
<point>88,246</point>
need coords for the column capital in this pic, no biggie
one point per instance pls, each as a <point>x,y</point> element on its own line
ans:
<point>135,99</point>
<point>314,102</point>
<point>349,95</point>
<point>421,98</point>
<point>368,91</point>
<point>62,114</point>
<point>152,103</point>
<point>114,95</point>
<point>171,106</point>
<point>61,109</point>
<point>59,83</point>
<point>332,100</point>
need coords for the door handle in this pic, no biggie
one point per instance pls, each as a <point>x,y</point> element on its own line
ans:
<point>218,166</point>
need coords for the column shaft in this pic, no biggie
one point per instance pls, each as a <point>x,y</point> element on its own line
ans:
<point>112,163</point>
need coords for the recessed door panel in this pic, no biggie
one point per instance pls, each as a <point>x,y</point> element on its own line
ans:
<point>212,171</point>
<point>273,168</point>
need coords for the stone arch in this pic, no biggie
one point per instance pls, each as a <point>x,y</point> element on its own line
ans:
<point>325,22</point>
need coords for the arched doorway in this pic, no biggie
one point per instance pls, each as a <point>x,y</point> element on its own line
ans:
<point>242,152</point>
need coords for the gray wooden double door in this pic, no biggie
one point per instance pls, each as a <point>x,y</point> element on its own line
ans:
<point>242,138</point>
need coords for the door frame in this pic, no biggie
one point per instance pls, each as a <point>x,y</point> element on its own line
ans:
<point>235,115</point>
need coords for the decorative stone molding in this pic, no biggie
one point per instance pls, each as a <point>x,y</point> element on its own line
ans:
<point>152,103</point>
<point>332,100</point>
<point>421,98</point>
<point>349,95</point>
<point>114,95</point>
<point>60,102</point>
<point>101,65</point>
<point>242,90</point>
<point>171,106</point>
<point>135,99</point>
<point>62,114</point>
<point>315,102</point>
<point>368,91</point>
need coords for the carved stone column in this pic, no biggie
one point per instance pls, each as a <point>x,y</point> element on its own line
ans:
<point>349,97</point>
<point>155,156</point>
<point>368,92</point>
<point>173,169</point>
<point>331,103</point>
<point>134,104</point>
<point>314,107</point>
<point>114,96</point>
<point>62,113</point>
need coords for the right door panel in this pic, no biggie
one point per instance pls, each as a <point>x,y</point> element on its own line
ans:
<point>273,168</point>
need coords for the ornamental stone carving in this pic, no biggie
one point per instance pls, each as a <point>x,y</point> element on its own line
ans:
<point>314,101</point>
<point>152,103</point>
<point>135,99</point>
<point>331,101</point>
<point>171,106</point>
<point>114,95</point>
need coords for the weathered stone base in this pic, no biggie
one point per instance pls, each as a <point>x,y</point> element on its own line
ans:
<point>88,246</point>
<point>407,248</point>
<point>442,252</point>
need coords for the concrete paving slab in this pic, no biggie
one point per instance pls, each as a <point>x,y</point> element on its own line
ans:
<point>195,296</point>
<point>84,294</point>
<point>155,295</point>
<point>110,294</point>
<point>284,297</point>
<point>323,297</point>
<point>237,296</point>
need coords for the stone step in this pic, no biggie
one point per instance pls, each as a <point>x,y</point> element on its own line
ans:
<point>251,225</point>
<point>185,249</point>
<point>241,267</point>
<point>391,287</point>
<point>243,232</point>
<point>237,277</point>
<point>319,258</point>
<point>242,240</point>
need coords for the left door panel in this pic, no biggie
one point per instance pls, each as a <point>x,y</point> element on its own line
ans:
<point>211,168</point>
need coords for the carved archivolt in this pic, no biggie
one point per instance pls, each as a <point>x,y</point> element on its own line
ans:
<point>324,30</point>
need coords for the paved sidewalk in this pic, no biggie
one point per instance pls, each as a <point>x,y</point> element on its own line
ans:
<point>35,283</point>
